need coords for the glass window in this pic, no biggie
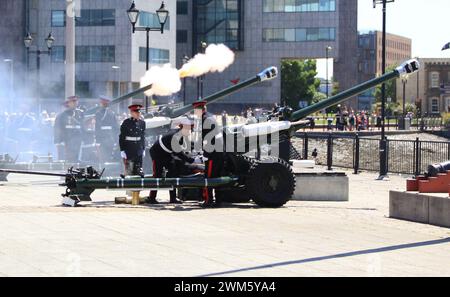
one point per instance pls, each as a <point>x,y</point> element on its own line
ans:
<point>299,5</point>
<point>182,36</point>
<point>157,56</point>
<point>434,79</point>
<point>149,19</point>
<point>95,54</point>
<point>58,54</point>
<point>58,18</point>
<point>182,7</point>
<point>289,34</point>
<point>434,105</point>
<point>96,17</point>
<point>299,34</point>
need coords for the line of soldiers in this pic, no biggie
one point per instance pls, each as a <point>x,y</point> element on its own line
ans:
<point>132,143</point>
<point>69,130</point>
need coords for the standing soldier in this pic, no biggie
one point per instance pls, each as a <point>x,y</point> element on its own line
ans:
<point>106,129</point>
<point>68,131</point>
<point>132,141</point>
<point>212,145</point>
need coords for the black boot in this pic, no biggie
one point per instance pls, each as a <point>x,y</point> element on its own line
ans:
<point>152,200</point>
<point>173,198</point>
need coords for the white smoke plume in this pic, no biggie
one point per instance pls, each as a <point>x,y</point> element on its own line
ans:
<point>165,80</point>
<point>217,58</point>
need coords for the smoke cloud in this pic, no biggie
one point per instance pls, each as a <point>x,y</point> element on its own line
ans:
<point>167,80</point>
<point>217,58</point>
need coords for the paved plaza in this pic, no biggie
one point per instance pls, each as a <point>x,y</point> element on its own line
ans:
<point>38,237</point>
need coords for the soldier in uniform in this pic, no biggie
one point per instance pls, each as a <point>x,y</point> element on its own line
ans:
<point>68,130</point>
<point>212,144</point>
<point>166,150</point>
<point>132,141</point>
<point>106,129</point>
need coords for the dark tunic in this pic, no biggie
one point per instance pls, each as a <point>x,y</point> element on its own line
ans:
<point>69,130</point>
<point>132,138</point>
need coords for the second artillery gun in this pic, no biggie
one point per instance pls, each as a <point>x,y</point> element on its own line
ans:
<point>268,181</point>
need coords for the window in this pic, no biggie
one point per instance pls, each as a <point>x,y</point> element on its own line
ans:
<point>150,19</point>
<point>182,7</point>
<point>58,54</point>
<point>95,54</point>
<point>299,5</point>
<point>157,56</point>
<point>434,105</point>
<point>82,88</point>
<point>434,79</point>
<point>182,36</point>
<point>96,17</point>
<point>299,34</point>
<point>58,18</point>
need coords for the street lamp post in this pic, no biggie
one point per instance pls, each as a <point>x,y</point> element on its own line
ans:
<point>133,15</point>
<point>383,142</point>
<point>28,40</point>
<point>11,78</point>
<point>404,82</point>
<point>201,78</point>
<point>184,60</point>
<point>327,51</point>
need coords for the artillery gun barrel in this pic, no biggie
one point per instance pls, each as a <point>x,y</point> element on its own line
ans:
<point>268,74</point>
<point>407,67</point>
<point>121,98</point>
<point>33,172</point>
<point>153,183</point>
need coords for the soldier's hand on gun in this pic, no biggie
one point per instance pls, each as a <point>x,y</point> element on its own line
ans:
<point>123,155</point>
<point>198,160</point>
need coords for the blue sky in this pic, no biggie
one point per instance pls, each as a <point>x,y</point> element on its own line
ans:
<point>427,23</point>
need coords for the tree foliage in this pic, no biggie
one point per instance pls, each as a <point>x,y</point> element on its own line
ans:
<point>298,82</point>
<point>391,87</point>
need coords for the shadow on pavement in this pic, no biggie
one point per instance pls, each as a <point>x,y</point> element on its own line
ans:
<point>335,256</point>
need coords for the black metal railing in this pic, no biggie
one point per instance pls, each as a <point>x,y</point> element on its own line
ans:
<point>363,153</point>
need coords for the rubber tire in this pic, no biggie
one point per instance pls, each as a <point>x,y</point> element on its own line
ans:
<point>237,195</point>
<point>260,182</point>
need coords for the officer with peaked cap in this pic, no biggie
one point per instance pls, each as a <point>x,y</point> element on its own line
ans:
<point>132,141</point>
<point>211,143</point>
<point>106,129</point>
<point>68,130</point>
<point>166,150</point>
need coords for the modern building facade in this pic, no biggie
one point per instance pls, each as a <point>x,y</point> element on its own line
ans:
<point>12,52</point>
<point>104,39</point>
<point>430,87</point>
<point>398,49</point>
<point>263,33</point>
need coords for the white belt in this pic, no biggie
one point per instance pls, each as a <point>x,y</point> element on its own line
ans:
<point>106,128</point>
<point>163,146</point>
<point>73,127</point>
<point>132,138</point>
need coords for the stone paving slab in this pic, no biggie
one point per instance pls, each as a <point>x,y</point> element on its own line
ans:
<point>38,237</point>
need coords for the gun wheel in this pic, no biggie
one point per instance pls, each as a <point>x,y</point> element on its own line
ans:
<point>271,182</point>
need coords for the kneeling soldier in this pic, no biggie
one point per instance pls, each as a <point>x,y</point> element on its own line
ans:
<point>132,141</point>
<point>164,152</point>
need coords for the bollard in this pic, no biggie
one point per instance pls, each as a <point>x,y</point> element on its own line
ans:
<point>356,157</point>
<point>135,197</point>
<point>330,151</point>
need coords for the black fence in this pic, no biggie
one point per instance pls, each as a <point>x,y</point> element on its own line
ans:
<point>363,153</point>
